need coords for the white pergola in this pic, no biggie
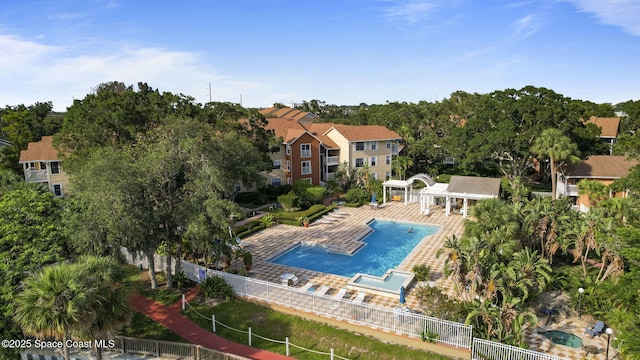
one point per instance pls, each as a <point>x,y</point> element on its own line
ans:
<point>475,188</point>
<point>407,185</point>
<point>427,195</point>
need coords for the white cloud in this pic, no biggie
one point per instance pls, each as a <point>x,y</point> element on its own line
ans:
<point>412,11</point>
<point>621,13</point>
<point>35,74</point>
<point>526,26</point>
<point>18,54</point>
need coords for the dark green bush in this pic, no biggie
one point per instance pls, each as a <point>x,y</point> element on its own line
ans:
<point>357,196</point>
<point>216,287</point>
<point>289,201</point>
<point>422,272</point>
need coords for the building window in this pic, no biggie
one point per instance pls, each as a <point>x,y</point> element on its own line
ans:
<point>359,162</point>
<point>276,164</point>
<point>305,150</point>
<point>360,146</point>
<point>276,181</point>
<point>306,168</point>
<point>373,145</point>
<point>307,180</point>
<point>374,175</point>
<point>288,165</point>
<point>387,175</point>
<point>288,150</point>
<point>389,145</point>
<point>55,167</point>
<point>31,166</point>
<point>288,180</point>
<point>43,166</point>
<point>57,189</point>
<point>373,161</point>
<point>388,159</point>
<point>237,188</point>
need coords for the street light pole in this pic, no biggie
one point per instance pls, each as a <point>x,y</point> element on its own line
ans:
<point>609,331</point>
<point>580,291</point>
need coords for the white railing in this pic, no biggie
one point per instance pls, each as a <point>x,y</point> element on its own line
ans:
<point>128,345</point>
<point>489,350</point>
<point>331,175</point>
<point>566,189</point>
<point>333,160</point>
<point>35,175</point>
<point>409,324</point>
<point>385,319</point>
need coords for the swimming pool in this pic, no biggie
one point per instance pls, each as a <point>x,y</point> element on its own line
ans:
<point>563,338</point>
<point>386,247</point>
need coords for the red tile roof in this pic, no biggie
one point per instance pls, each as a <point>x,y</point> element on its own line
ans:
<point>609,125</point>
<point>366,132</point>
<point>601,166</point>
<point>287,113</point>
<point>319,130</point>
<point>42,150</point>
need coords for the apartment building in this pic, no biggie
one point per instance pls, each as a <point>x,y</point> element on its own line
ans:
<point>313,151</point>
<point>40,164</point>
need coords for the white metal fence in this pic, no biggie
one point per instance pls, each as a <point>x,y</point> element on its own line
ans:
<point>489,350</point>
<point>410,324</point>
<point>128,345</point>
<point>385,319</point>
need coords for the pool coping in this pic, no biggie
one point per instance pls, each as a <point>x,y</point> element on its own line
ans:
<point>353,285</point>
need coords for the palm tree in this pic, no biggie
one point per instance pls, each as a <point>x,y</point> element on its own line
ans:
<point>595,190</point>
<point>530,266</point>
<point>485,317</point>
<point>453,263</point>
<point>54,303</point>
<point>112,310</point>
<point>553,144</point>
<point>87,299</point>
<point>400,165</point>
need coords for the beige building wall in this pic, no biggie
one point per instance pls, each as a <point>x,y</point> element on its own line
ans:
<point>342,143</point>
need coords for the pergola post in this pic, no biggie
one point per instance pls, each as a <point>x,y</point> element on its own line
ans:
<point>448,205</point>
<point>384,194</point>
<point>464,208</point>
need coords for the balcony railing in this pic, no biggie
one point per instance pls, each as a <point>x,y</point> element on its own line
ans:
<point>331,176</point>
<point>567,189</point>
<point>333,160</point>
<point>35,175</point>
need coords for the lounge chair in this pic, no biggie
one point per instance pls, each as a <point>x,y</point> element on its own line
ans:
<point>307,287</point>
<point>360,298</point>
<point>322,291</point>
<point>340,294</point>
<point>595,330</point>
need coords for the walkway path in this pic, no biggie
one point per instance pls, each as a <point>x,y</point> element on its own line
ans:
<point>171,318</point>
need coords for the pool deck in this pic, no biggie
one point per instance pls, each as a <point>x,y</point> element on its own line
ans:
<point>342,231</point>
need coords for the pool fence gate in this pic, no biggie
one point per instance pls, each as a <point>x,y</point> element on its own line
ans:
<point>385,319</point>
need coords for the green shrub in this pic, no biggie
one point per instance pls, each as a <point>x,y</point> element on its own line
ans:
<point>216,287</point>
<point>289,201</point>
<point>315,194</point>
<point>422,272</point>
<point>181,280</point>
<point>357,196</point>
<point>268,220</point>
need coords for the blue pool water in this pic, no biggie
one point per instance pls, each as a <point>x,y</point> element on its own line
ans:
<point>386,247</point>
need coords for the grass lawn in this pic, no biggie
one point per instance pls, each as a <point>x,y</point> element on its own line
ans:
<point>145,328</point>
<point>311,335</point>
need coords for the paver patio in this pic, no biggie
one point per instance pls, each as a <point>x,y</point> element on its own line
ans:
<point>347,225</point>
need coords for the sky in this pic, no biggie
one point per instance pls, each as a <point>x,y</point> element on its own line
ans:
<point>344,52</point>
